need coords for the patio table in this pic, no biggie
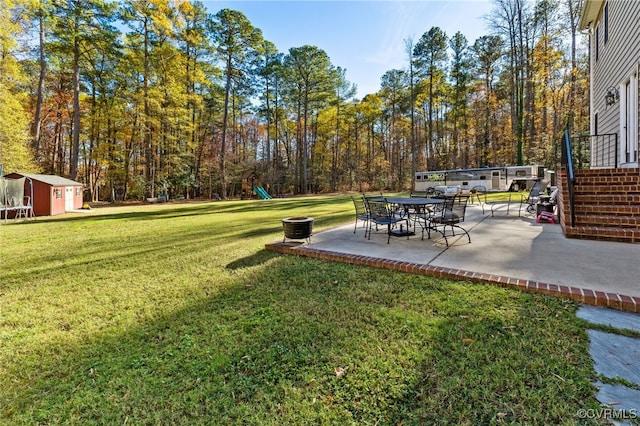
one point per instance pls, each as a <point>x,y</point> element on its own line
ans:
<point>412,201</point>
<point>417,204</point>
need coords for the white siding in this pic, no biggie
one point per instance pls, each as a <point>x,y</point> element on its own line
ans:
<point>617,61</point>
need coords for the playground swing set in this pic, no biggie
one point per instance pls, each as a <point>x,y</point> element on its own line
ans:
<point>251,185</point>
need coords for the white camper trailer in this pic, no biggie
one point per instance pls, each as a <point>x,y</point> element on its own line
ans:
<point>512,178</point>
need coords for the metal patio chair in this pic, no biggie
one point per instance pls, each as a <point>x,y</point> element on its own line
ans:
<point>452,215</point>
<point>382,214</point>
<point>479,192</point>
<point>362,212</point>
<point>534,197</point>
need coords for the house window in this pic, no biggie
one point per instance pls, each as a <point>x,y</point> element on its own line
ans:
<point>606,23</point>
<point>77,191</point>
<point>595,123</point>
<point>58,193</point>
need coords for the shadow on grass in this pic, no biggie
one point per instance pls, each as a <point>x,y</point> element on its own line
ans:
<point>259,258</point>
<point>316,343</point>
<point>135,254</point>
<point>283,207</point>
<point>165,234</point>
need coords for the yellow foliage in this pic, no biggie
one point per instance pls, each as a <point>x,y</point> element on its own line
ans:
<point>14,122</point>
<point>14,138</point>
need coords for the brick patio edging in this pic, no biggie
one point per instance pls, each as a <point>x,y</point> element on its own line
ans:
<point>589,297</point>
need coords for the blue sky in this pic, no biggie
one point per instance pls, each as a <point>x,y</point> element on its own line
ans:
<point>365,37</point>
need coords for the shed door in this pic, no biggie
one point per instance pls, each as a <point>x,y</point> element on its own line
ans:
<point>68,198</point>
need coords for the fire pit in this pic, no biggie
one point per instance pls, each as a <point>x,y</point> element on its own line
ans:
<point>297,228</point>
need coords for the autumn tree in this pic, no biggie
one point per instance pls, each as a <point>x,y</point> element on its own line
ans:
<point>366,164</point>
<point>78,24</point>
<point>180,101</point>
<point>460,76</point>
<point>514,20</point>
<point>147,46</point>
<point>39,11</point>
<point>395,93</point>
<point>197,52</point>
<point>571,13</point>
<point>344,93</point>
<point>236,41</point>
<point>487,52</point>
<point>415,151</point>
<point>15,154</point>
<point>100,64</point>
<point>310,80</point>
<point>430,54</point>
<point>271,61</point>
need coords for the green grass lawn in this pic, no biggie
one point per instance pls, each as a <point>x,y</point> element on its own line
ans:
<point>176,314</point>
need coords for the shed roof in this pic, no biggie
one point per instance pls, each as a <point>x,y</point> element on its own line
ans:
<point>52,180</point>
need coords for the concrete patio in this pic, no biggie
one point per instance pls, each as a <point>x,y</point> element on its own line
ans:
<point>507,249</point>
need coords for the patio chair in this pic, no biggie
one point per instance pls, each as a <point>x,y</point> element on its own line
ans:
<point>519,198</point>
<point>424,217</point>
<point>380,213</point>
<point>370,196</point>
<point>438,193</point>
<point>409,210</point>
<point>534,197</point>
<point>362,213</point>
<point>479,192</point>
<point>452,215</point>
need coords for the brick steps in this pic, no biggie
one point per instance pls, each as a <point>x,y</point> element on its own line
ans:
<point>609,209</point>
<point>603,233</point>
<point>610,220</point>
<point>607,205</point>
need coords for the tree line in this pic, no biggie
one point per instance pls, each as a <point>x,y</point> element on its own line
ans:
<point>146,97</point>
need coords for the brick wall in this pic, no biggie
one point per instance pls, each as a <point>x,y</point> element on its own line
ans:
<point>607,205</point>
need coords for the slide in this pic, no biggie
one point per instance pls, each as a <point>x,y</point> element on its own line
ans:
<point>262,193</point>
